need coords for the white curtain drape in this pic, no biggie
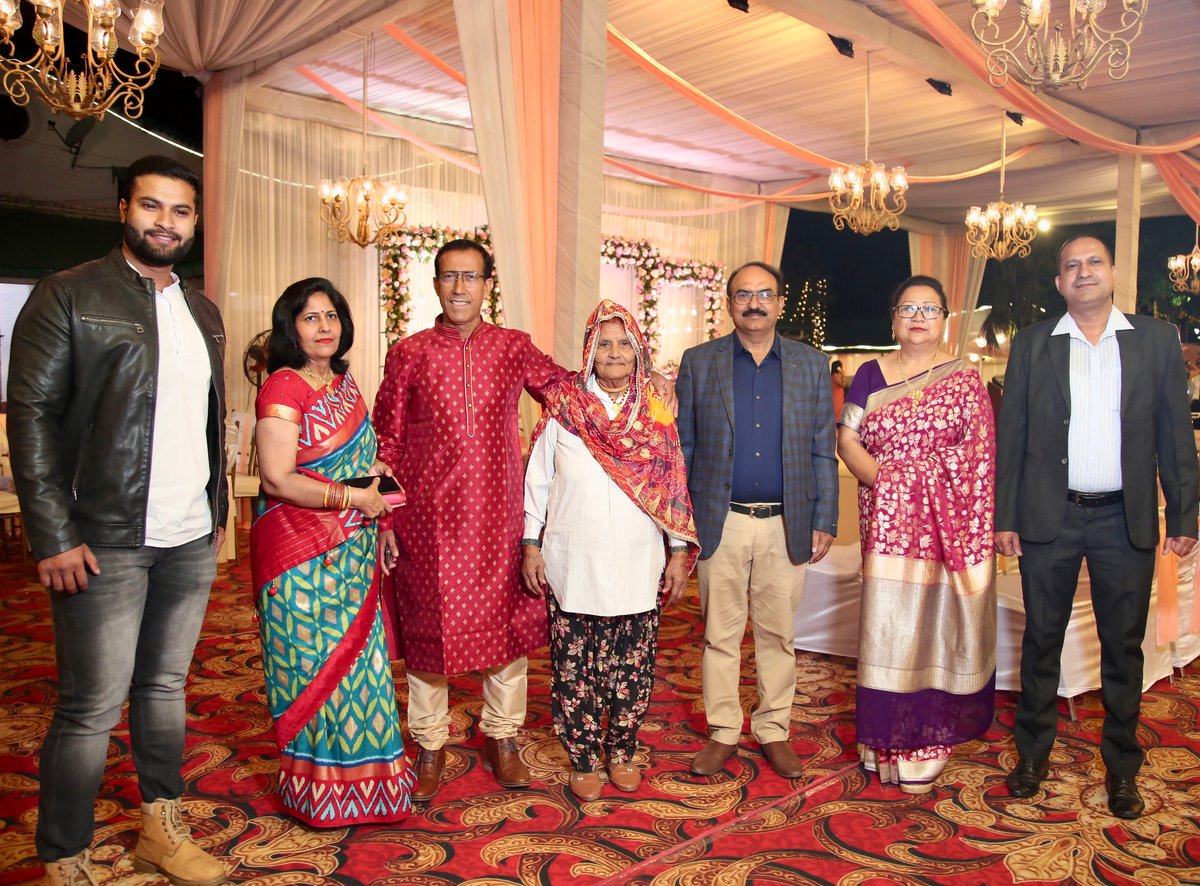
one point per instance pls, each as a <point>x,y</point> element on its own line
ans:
<point>727,238</point>
<point>680,320</point>
<point>280,238</point>
<point>619,283</point>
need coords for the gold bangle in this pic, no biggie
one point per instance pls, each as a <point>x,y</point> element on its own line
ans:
<point>325,497</point>
<point>346,497</point>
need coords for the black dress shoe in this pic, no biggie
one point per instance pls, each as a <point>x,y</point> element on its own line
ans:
<point>1124,801</point>
<point>1026,777</point>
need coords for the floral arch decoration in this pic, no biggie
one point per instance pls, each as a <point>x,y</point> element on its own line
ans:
<point>422,242</point>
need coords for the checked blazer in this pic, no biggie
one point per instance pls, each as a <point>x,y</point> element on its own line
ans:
<point>706,431</point>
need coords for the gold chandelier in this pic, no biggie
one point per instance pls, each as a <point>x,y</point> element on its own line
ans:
<point>867,197</point>
<point>1185,269</point>
<point>89,92</point>
<point>1003,229</point>
<point>360,209</point>
<point>1041,55</point>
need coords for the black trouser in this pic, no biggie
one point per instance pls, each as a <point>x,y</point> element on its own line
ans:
<point>1120,584</point>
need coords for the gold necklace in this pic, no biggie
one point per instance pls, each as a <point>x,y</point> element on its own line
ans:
<point>324,378</point>
<point>919,392</point>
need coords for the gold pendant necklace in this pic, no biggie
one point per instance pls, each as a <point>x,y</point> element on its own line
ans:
<point>324,379</point>
<point>917,393</point>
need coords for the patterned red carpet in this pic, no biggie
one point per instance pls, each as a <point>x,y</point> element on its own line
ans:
<point>832,826</point>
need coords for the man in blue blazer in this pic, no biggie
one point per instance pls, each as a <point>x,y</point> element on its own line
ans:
<point>1095,411</point>
<point>756,424</point>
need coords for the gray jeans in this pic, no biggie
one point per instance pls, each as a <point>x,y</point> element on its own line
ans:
<point>131,633</point>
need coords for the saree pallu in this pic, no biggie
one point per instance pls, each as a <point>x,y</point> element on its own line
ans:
<point>329,682</point>
<point>927,637</point>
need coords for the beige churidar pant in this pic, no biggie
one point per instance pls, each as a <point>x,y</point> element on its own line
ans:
<point>749,572</point>
<point>503,713</point>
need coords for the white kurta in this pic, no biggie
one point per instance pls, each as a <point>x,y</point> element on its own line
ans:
<point>603,554</point>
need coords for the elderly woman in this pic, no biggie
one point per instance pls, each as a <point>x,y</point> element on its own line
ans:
<point>313,551</point>
<point>606,480</point>
<point>917,431</point>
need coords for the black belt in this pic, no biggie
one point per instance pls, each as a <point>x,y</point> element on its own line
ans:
<point>756,510</point>
<point>1095,499</point>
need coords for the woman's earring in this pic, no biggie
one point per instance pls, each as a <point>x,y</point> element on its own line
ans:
<point>893,333</point>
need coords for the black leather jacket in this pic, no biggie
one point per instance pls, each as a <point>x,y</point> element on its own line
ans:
<point>81,389</point>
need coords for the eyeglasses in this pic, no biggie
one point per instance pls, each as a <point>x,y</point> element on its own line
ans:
<point>449,278</point>
<point>743,296</point>
<point>929,312</point>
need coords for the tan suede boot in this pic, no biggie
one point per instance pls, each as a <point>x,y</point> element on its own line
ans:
<point>73,871</point>
<point>166,847</point>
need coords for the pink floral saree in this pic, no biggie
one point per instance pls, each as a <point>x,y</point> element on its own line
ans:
<point>927,636</point>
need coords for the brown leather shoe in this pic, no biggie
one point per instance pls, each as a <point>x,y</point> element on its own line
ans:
<point>500,757</point>
<point>624,776</point>
<point>713,757</point>
<point>429,773</point>
<point>585,785</point>
<point>783,759</point>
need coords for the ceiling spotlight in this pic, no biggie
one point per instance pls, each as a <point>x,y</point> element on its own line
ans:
<point>1019,119</point>
<point>740,5</point>
<point>842,45</point>
<point>940,86</point>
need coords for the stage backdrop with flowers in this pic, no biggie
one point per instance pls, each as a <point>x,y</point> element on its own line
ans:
<point>678,297</point>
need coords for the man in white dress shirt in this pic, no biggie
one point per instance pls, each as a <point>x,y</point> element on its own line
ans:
<point>117,420</point>
<point>1095,411</point>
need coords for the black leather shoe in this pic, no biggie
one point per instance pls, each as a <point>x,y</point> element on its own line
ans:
<point>1026,777</point>
<point>1124,801</point>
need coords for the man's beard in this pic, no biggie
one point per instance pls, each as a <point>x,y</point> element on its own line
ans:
<point>154,254</point>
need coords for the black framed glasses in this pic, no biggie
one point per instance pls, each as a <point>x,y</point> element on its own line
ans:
<point>929,312</point>
<point>744,296</point>
<point>449,278</point>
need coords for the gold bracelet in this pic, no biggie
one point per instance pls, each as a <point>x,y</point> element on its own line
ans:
<point>345,497</point>
<point>325,497</point>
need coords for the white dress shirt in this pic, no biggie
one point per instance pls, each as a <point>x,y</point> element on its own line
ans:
<point>1094,438</point>
<point>603,554</point>
<point>177,511</point>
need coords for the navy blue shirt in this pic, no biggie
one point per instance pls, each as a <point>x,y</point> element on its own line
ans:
<point>757,425</point>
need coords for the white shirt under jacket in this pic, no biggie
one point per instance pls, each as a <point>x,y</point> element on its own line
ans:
<point>177,509</point>
<point>603,554</point>
<point>1094,437</point>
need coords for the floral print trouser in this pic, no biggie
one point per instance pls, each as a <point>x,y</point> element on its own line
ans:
<point>600,665</point>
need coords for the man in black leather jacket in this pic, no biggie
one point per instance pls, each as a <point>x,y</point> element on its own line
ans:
<point>116,423</point>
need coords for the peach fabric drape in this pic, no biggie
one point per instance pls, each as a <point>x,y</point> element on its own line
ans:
<point>535,28</point>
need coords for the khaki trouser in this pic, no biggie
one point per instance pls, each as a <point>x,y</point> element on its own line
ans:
<point>749,572</point>
<point>503,704</point>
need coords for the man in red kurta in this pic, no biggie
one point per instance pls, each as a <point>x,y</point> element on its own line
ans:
<point>446,417</point>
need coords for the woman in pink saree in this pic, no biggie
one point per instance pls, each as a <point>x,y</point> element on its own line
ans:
<point>918,433</point>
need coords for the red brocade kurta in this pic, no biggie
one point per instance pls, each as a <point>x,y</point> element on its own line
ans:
<point>446,418</point>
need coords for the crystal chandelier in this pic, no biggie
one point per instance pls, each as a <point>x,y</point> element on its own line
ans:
<point>361,209</point>
<point>1003,229</point>
<point>1185,269</point>
<point>1042,55</point>
<point>867,197</point>
<point>89,92</point>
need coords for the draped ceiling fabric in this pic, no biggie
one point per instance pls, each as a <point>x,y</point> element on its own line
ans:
<point>1167,156</point>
